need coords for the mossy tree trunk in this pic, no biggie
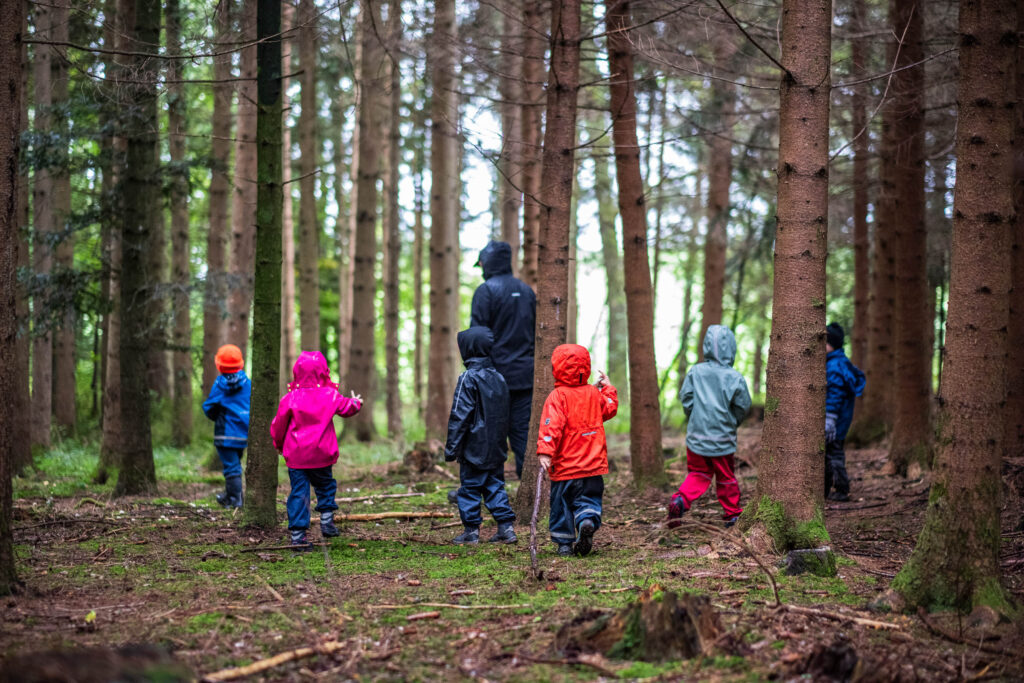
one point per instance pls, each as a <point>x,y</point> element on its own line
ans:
<point>956,560</point>
<point>261,465</point>
<point>645,410</point>
<point>788,502</point>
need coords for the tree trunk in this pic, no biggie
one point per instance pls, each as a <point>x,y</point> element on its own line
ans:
<point>861,152</point>
<point>21,399</point>
<point>911,433</point>
<point>346,227</point>
<point>140,185</point>
<point>215,290</point>
<point>659,102</point>
<point>1013,433</point>
<point>44,224</point>
<point>645,411</point>
<point>158,368</point>
<point>362,365</point>
<point>442,366</point>
<point>289,350</point>
<point>393,237</point>
<point>532,97</point>
<point>243,199</point>
<point>417,274</point>
<point>510,89</point>
<point>557,179</point>
<point>261,465</point>
<point>723,107</point>
<point>956,560</point>
<point>12,25</point>
<point>64,412</point>
<point>787,505</point>
<point>180,267</point>
<point>309,228</point>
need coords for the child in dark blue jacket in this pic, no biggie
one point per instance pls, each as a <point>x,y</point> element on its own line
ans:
<point>845,383</point>
<point>228,407</point>
<point>478,439</point>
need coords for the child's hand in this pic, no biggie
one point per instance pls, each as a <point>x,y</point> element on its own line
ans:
<point>545,463</point>
<point>602,380</point>
<point>357,397</point>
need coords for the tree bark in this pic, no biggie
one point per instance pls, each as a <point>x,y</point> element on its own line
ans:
<point>861,152</point>
<point>158,369</point>
<point>215,290</point>
<point>21,398</point>
<point>510,90</point>
<point>362,365</point>
<point>646,461</point>
<point>243,199</point>
<point>442,366</point>
<point>1013,433</point>
<point>787,504</point>
<point>309,228</point>
<point>289,349</point>
<point>553,244</point>
<point>417,273</point>
<point>347,226</point>
<point>532,98</point>
<point>911,433</point>
<point>261,464</point>
<point>181,341</point>
<point>140,185</point>
<point>956,560</point>
<point>393,237</point>
<point>11,26</point>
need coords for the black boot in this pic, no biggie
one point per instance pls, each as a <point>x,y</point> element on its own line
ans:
<point>471,536</point>
<point>505,534</point>
<point>564,549</point>
<point>299,540</point>
<point>585,542</point>
<point>327,528</point>
<point>453,497</point>
<point>232,496</point>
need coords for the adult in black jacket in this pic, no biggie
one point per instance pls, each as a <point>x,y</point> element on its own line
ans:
<point>477,437</point>
<point>508,306</point>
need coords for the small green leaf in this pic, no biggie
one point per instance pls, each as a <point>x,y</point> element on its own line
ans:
<point>90,617</point>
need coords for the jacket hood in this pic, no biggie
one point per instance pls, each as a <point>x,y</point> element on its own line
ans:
<point>720,344</point>
<point>496,259</point>
<point>570,364</point>
<point>475,342</point>
<point>234,382</point>
<point>310,370</point>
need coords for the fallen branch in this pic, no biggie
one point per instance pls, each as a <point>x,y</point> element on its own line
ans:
<point>357,499</point>
<point>619,590</point>
<point>275,661</point>
<point>277,596</point>
<point>423,615</point>
<point>570,661</point>
<point>447,605</point>
<point>91,501</point>
<point>435,527</point>
<point>533,524</point>
<point>952,637</point>
<point>438,468</point>
<point>860,621</point>
<point>281,547</point>
<point>370,517</point>
<point>739,541</point>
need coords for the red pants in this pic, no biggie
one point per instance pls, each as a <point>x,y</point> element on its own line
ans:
<point>698,479</point>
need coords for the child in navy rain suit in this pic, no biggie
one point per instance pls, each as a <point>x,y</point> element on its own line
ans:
<point>228,407</point>
<point>478,439</point>
<point>845,383</point>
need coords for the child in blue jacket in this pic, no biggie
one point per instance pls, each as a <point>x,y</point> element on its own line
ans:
<point>228,407</point>
<point>845,383</point>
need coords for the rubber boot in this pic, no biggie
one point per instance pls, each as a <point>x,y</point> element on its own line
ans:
<point>676,510</point>
<point>232,496</point>
<point>564,550</point>
<point>731,521</point>
<point>453,497</point>
<point>471,536</point>
<point>327,528</point>
<point>586,539</point>
<point>299,540</point>
<point>505,534</point>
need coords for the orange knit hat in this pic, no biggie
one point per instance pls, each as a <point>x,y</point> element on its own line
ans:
<point>229,359</point>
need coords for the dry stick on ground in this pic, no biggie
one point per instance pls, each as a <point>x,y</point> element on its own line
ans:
<point>280,547</point>
<point>277,596</point>
<point>390,515</point>
<point>448,605</point>
<point>357,499</point>
<point>952,637</point>
<point>570,661</point>
<point>533,524</point>
<point>275,661</point>
<point>445,472</point>
<point>860,621</point>
<point>739,541</point>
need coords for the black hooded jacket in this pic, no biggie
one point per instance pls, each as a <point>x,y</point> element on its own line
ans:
<point>508,306</point>
<point>478,423</point>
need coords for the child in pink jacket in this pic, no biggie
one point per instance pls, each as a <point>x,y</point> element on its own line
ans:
<point>303,431</point>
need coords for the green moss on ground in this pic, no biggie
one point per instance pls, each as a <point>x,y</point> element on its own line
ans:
<point>787,533</point>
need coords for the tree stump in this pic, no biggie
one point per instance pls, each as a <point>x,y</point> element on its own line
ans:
<point>420,459</point>
<point>661,625</point>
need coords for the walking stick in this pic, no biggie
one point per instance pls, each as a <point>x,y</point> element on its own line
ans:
<point>533,524</point>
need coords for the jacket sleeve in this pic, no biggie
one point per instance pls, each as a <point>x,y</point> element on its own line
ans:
<point>347,407</point>
<point>459,419</point>
<point>836,391</point>
<point>609,402</point>
<point>480,313</point>
<point>552,424</point>
<point>686,395</point>
<point>211,406</point>
<point>279,425</point>
<point>740,405</point>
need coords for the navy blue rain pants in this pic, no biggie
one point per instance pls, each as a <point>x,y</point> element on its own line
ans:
<point>230,461</point>
<point>325,486</point>
<point>573,501</point>
<point>835,468</point>
<point>488,484</point>
<point>520,403</point>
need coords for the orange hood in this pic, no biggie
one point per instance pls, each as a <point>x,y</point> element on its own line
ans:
<point>570,364</point>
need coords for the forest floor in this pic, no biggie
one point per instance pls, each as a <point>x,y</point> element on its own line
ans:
<point>178,572</point>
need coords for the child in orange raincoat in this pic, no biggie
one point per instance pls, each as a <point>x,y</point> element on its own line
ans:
<point>572,449</point>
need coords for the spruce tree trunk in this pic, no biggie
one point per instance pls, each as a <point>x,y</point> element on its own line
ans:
<point>956,560</point>
<point>158,368</point>
<point>21,399</point>
<point>12,25</point>
<point>44,223</point>
<point>309,225</point>
<point>646,461</point>
<point>510,90</point>
<point>139,187</point>
<point>215,290</point>
<point>261,464</point>
<point>861,152</point>
<point>553,244</point>
<point>362,365</point>
<point>417,274</point>
<point>1013,432</point>
<point>911,433</point>
<point>532,97</point>
<point>393,237</point>
<point>243,199</point>
<point>787,506</point>
<point>181,277</point>
<point>442,362</point>
<point>289,350</point>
